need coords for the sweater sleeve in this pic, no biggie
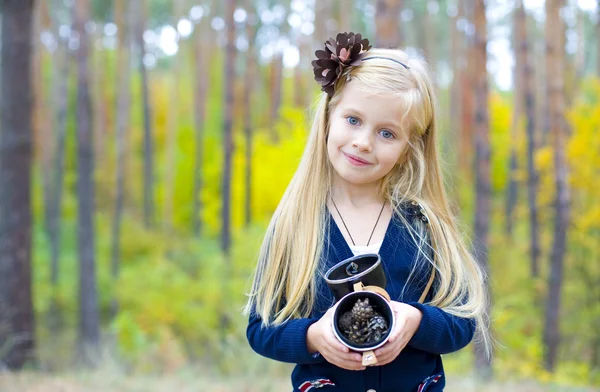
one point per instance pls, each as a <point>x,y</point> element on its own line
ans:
<point>285,342</point>
<point>441,332</point>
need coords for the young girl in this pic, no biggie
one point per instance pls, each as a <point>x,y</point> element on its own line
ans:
<point>369,181</point>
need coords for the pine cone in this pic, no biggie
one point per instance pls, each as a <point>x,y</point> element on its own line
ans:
<point>345,323</point>
<point>362,311</point>
<point>377,328</point>
<point>362,324</point>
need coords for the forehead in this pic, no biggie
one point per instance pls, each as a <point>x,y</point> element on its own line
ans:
<point>376,105</point>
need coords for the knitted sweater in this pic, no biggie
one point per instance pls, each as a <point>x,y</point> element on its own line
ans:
<point>417,368</point>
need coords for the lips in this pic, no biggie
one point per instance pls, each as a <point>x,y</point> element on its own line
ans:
<point>356,160</point>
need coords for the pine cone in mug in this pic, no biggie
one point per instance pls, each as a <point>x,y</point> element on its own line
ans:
<point>377,329</point>
<point>362,311</point>
<point>362,324</point>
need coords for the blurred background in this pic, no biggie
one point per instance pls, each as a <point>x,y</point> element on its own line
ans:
<point>144,145</point>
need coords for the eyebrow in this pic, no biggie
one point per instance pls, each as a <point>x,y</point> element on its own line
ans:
<point>391,124</point>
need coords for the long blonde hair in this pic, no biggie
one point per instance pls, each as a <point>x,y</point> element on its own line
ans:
<point>285,280</point>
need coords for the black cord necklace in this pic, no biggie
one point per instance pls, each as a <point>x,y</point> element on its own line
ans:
<point>348,231</point>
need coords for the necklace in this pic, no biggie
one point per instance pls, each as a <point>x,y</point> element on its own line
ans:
<point>348,231</point>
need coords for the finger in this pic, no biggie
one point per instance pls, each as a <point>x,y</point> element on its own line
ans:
<point>398,328</point>
<point>345,364</point>
<point>349,356</point>
<point>335,344</point>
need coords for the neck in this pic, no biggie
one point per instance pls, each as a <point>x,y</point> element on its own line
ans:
<point>356,195</point>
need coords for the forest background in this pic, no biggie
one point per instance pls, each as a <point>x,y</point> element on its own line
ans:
<point>144,145</point>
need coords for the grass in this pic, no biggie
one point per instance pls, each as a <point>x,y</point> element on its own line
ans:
<point>262,375</point>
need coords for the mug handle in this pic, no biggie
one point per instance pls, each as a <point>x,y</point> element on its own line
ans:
<point>376,289</point>
<point>369,358</point>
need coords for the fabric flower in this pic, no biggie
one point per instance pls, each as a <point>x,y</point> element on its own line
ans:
<point>340,54</point>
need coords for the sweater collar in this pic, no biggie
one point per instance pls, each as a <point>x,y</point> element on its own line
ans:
<point>342,249</point>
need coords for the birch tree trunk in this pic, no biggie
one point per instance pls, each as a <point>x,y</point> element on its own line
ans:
<point>17,328</point>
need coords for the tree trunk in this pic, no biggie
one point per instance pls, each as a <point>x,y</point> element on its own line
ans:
<point>43,145</point>
<point>429,36</point>
<point>323,12</point>
<point>299,79</point>
<point>99,105</point>
<point>386,20</point>
<point>200,95</point>
<point>345,11</point>
<point>250,75</point>
<point>17,329</point>
<point>172,129</point>
<point>518,42</point>
<point>230,55</point>
<point>532,174</point>
<point>482,165</point>
<point>89,330</point>
<point>148,188</point>
<point>598,39</point>
<point>276,83</point>
<point>123,15</point>
<point>467,100</point>
<point>61,92</point>
<point>457,61</point>
<point>555,63</point>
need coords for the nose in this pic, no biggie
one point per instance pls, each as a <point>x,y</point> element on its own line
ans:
<point>362,141</point>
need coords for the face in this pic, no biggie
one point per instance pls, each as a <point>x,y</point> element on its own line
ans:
<point>366,138</point>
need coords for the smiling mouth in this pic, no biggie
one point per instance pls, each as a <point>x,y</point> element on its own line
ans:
<point>356,160</point>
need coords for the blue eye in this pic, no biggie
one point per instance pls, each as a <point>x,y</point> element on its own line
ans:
<point>386,134</point>
<point>352,120</point>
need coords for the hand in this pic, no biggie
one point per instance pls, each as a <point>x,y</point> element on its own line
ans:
<point>320,337</point>
<point>408,319</point>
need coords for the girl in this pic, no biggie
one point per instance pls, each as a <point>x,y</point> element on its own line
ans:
<point>369,181</point>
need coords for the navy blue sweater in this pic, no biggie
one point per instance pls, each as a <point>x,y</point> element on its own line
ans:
<point>419,365</point>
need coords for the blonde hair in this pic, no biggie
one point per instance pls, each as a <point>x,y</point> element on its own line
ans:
<point>285,280</point>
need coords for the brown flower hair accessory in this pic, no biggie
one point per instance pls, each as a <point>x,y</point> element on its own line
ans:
<point>340,54</point>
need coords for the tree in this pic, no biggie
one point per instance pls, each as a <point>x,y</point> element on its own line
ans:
<point>518,42</point>
<point>250,76</point>
<point>123,18</point>
<point>386,19</point>
<point>482,164</point>
<point>598,40</point>
<point>230,55</point>
<point>467,103</point>
<point>60,77</point>
<point>89,330</point>
<point>202,73</point>
<point>17,329</point>
<point>555,68</point>
<point>528,92</point>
